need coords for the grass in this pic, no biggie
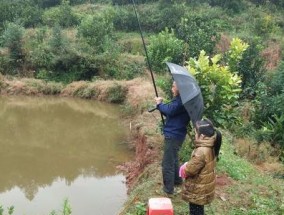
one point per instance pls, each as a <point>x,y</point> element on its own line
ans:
<point>248,191</point>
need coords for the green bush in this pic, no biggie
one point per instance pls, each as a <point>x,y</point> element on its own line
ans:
<point>272,131</point>
<point>56,58</point>
<point>165,83</point>
<point>186,149</point>
<point>235,6</point>
<point>26,12</point>
<point>12,38</point>
<point>264,24</point>
<point>251,68</point>
<point>170,15</point>
<point>220,89</point>
<point>270,97</point>
<point>199,32</point>
<point>129,67</point>
<point>125,19</point>
<point>165,47</point>
<point>62,15</point>
<point>97,30</point>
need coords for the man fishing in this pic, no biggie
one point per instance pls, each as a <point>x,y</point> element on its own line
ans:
<point>174,131</point>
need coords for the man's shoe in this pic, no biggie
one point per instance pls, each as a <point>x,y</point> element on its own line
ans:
<point>161,192</point>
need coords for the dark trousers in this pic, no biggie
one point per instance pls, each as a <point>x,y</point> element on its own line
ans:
<point>170,164</point>
<point>196,209</point>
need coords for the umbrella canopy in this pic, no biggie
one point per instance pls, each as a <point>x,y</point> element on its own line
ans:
<point>189,91</point>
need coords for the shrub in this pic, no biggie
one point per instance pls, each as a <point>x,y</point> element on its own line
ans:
<point>220,88</point>
<point>129,67</point>
<point>12,39</point>
<point>170,15</point>
<point>199,32</point>
<point>165,47</point>
<point>264,24</point>
<point>165,83</point>
<point>251,68</point>
<point>272,131</point>
<point>125,19</point>
<point>97,30</point>
<point>234,6</point>
<point>271,96</point>
<point>62,15</point>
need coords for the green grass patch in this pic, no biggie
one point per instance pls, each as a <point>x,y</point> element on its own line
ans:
<point>251,191</point>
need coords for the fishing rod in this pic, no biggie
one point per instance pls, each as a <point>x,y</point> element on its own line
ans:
<point>146,53</point>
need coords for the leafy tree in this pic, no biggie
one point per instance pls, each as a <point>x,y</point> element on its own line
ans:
<point>97,30</point>
<point>12,39</point>
<point>24,12</point>
<point>235,53</point>
<point>219,85</point>
<point>234,6</point>
<point>125,19</point>
<point>199,32</point>
<point>170,15</point>
<point>271,96</point>
<point>63,15</point>
<point>251,68</point>
<point>165,47</point>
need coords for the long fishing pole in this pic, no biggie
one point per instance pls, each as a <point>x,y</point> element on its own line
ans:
<point>146,53</point>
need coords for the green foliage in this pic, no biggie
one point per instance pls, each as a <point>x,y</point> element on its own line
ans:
<point>263,2</point>
<point>264,24</point>
<point>165,83</point>
<point>269,109</point>
<point>85,91</point>
<point>116,93</point>
<point>220,88</point>
<point>140,208</point>
<point>272,131</point>
<point>270,98</point>
<point>170,15</point>
<point>26,12</point>
<point>62,15</point>
<point>66,208</point>
<point>10,210</point>
<point>235,53</point>
<point>165,47</point>
<point>199,32</point>
<point>12,39</point>
<point>97,30</point>
<point>125,19</point>
<point>229,162</point>
<point>251,68</point>
<point>186,150</point>
<point>6,64</point>
<point>126,67</point>
<point>235,6</point>
<point>56,58</point>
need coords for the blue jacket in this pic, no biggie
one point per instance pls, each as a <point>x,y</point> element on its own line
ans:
<point>177,118</point>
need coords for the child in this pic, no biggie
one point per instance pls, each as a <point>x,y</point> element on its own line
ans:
<point>199,171</point>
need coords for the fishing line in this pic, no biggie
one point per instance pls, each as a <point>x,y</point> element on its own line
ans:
<point>146,53</point>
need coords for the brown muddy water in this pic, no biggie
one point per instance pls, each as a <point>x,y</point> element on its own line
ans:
<point>52,149</point>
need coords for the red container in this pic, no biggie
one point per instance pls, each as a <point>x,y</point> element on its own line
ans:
<point>160,206</point>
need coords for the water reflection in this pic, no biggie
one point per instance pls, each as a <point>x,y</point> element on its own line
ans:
<point>51,140</point>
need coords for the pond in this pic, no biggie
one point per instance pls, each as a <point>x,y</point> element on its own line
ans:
<point>52,149</point>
